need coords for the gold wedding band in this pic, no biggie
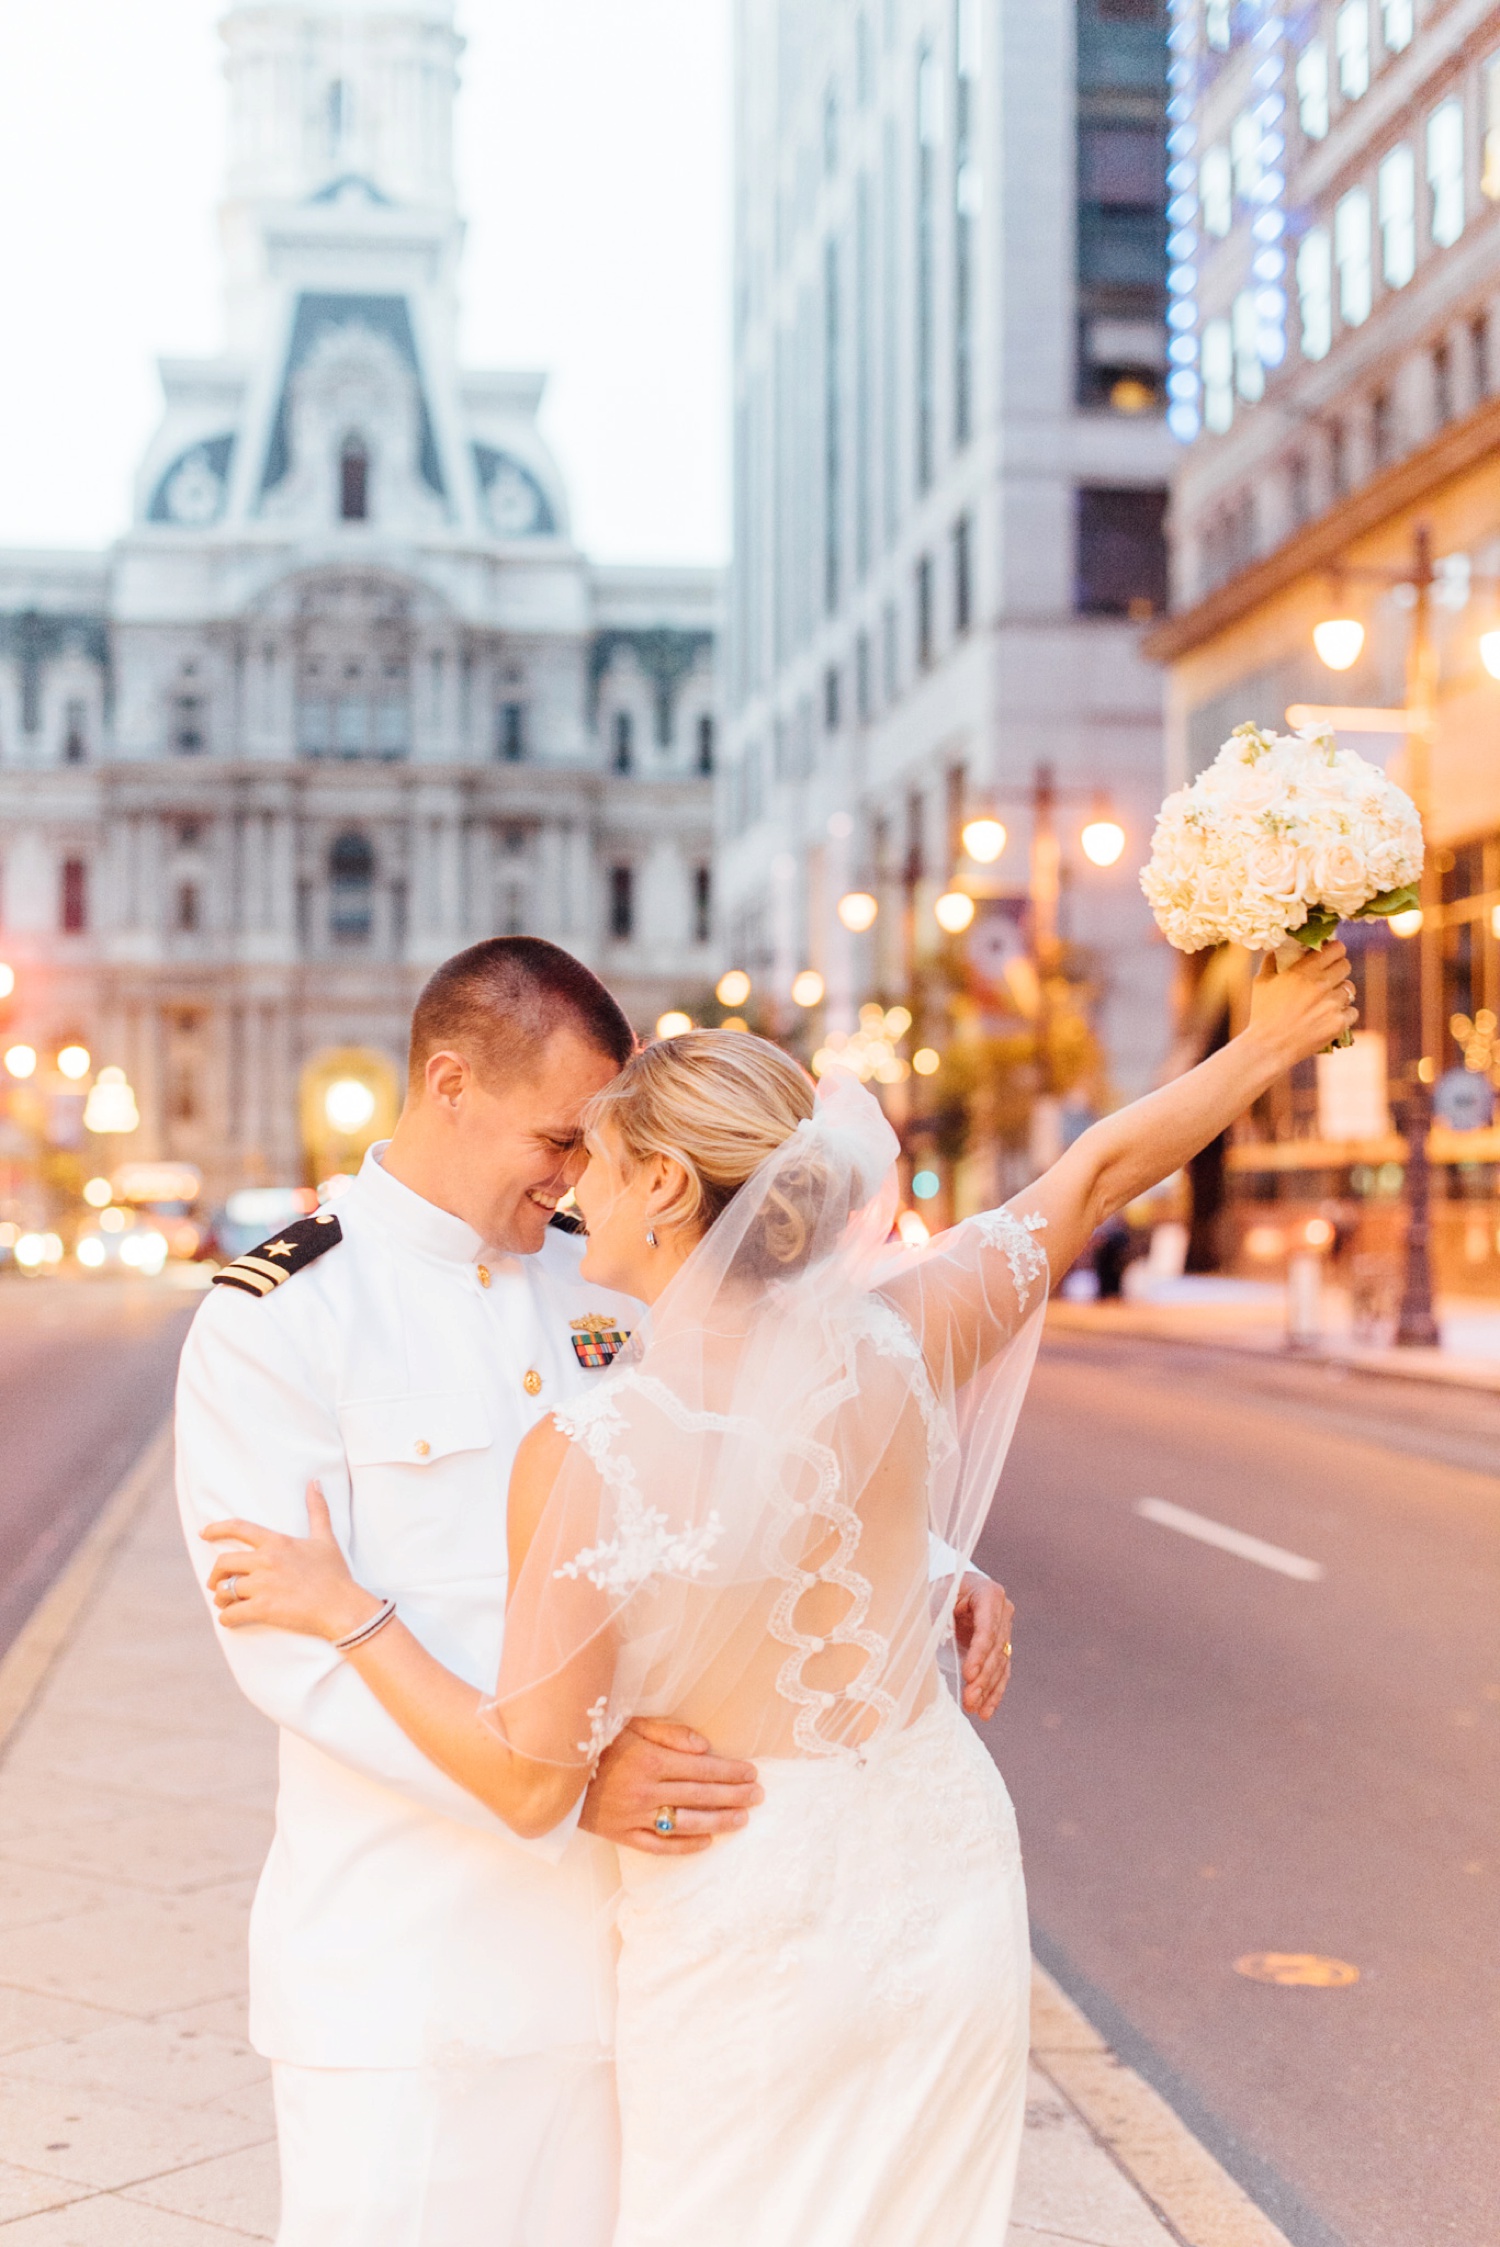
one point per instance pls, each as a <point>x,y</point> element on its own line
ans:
<point>1005,1650</point>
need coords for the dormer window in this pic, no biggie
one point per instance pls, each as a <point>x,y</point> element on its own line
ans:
<point>354,481</point>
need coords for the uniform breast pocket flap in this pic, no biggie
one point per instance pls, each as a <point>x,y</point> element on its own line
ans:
<point>413,1431</point>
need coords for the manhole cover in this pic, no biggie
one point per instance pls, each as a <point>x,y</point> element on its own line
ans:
<point>1297,1970</point>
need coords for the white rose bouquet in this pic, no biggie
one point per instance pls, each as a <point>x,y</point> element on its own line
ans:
<point>1281,838</point>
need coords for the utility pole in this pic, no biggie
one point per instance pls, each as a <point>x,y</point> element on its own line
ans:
<point>1416,1325</point>
<point>1045,886</point>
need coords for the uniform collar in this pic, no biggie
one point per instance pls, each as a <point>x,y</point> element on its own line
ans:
<point>415,1221</point>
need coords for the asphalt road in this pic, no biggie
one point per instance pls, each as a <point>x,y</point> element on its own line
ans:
<point>86,1373</point>
<point>1212,1759</point>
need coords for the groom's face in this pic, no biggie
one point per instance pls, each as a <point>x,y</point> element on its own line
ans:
<point>525,1139</point>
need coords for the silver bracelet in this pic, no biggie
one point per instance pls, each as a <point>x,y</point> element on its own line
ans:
<point>376,1623</point>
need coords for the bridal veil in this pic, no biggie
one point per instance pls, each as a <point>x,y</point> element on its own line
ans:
<point>738,1536</point>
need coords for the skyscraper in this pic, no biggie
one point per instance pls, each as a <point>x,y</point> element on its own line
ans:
<point>950,351</point>
<point>345,696</point>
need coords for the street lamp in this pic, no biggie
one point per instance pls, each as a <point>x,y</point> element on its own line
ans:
<point>111,1104</point>
<point>857,911</point>
<point>349,1103</point>
<point>1102,841</point>
<point>984,840</point>
<point>1338,641</point>
<point>954,911</point>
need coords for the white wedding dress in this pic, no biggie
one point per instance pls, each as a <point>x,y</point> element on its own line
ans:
<point>822,2029</point>
<point>823,2019</point>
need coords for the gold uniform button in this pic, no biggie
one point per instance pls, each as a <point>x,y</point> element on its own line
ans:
<point>532,1383</point>
<point>484,1275</point>
<point>421,1447</point>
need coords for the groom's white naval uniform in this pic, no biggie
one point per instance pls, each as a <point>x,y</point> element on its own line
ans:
<point>436,1994</point>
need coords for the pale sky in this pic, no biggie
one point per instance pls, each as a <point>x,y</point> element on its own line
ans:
<point>593,169</point>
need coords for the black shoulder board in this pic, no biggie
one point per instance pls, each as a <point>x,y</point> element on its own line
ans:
<point>566,1222</point>
<point>260,1271</point>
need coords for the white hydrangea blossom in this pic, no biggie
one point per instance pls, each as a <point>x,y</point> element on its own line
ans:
<point>1279,830</point>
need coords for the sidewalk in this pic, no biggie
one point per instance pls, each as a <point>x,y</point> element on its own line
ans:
<point>135,1807</point>
<point>1251,1315</point>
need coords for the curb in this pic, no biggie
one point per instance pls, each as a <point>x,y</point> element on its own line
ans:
<point>1415,1365</point>
<point>24,1668</point>
<point>1199,2203</point>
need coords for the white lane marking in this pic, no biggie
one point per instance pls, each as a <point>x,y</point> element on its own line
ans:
<point>1168,1516</point>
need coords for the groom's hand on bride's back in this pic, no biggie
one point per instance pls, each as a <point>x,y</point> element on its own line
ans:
<point>655,1768</point>
<point>982,1617</point>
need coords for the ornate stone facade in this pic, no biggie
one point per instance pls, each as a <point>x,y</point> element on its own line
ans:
<point>345,696</point>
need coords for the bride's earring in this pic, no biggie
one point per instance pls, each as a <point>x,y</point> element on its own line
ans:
<point>650,1236</point>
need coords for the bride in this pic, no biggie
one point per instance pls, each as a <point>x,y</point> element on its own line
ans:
<point>823,2018</point>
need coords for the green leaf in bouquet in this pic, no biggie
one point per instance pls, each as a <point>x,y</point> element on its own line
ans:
<point>1315,930</point>
<point>1391,901</point>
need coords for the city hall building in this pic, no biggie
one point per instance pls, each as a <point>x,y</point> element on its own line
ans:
<point>345,696</point>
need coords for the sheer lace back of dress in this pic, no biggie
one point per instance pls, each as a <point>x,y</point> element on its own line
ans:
<point>738,1537</point>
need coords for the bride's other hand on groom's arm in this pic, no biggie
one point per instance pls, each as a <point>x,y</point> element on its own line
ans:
<point>653,1767</point>
<point>982,1618</point>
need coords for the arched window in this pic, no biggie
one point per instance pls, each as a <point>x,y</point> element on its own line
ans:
<point>351,881</point>
<point>354,481</point>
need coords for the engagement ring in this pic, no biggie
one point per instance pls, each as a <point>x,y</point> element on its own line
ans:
<point>666,1821</point>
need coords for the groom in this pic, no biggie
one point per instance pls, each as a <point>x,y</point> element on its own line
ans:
<point>434,1994</point>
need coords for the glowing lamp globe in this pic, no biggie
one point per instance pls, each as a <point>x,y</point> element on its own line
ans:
<point>984,839</point>
<point>807,990</point>
<point>1408,923</point>
<point>1102,840</point>
<point>733,987</point>
<point>857,911</point>
<point>348,1104</point>
<point>74,1061</point>
<point>927,1061</point>
<point>1339,641</point>
<point>111,1103</point>
<point>673,1024</point>
<point>20,1060</point>
<point>954,911</point>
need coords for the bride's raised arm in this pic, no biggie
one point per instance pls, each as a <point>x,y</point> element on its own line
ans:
<point>967,1296</point>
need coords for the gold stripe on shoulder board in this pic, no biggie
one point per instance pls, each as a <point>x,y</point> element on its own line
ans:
<point>247,1276</point>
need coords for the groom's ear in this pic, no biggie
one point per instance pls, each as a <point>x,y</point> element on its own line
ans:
<point>446,1076</point>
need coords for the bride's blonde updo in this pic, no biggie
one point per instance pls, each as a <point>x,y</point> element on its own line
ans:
<point>718,1102</point>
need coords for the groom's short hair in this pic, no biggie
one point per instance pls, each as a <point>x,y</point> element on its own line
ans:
<point>500,1001</point>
